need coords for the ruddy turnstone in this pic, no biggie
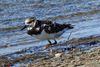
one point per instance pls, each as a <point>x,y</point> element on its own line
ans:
<point>45,30</point>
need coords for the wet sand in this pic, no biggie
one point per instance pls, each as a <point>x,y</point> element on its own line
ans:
<point>74,58</point>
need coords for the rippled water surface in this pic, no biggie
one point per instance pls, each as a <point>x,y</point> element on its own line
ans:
<point>84,14</point>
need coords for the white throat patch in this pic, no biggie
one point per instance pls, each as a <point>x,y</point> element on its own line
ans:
<point>29,28</point>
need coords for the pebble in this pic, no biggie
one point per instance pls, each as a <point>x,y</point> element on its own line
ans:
<point>57,55</point>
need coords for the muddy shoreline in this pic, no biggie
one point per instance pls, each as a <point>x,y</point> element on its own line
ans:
<point>74,58</point>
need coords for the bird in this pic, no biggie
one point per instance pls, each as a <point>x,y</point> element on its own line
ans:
<point>45,29</point>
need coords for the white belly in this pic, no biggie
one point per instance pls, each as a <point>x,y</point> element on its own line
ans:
<point>45,36</point>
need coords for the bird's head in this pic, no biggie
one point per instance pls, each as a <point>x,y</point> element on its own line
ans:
<point>30,22</point>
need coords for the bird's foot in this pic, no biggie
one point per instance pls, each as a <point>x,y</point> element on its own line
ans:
<point>55,42</point>
<point>48,45</point>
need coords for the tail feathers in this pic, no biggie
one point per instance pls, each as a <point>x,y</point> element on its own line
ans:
<point>69,26</point>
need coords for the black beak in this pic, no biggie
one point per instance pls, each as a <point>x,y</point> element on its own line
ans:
<point>24,27</point>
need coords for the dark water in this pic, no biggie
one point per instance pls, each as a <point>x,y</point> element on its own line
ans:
<point>84,14</point>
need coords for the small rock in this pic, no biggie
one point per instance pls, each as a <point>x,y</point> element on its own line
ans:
<point>71,65</point>
<point>58,55</point>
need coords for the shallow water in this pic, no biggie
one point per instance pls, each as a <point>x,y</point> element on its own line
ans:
<point>84,14</point>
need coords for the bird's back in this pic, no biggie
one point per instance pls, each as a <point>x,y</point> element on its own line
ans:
<point>55,28</point>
